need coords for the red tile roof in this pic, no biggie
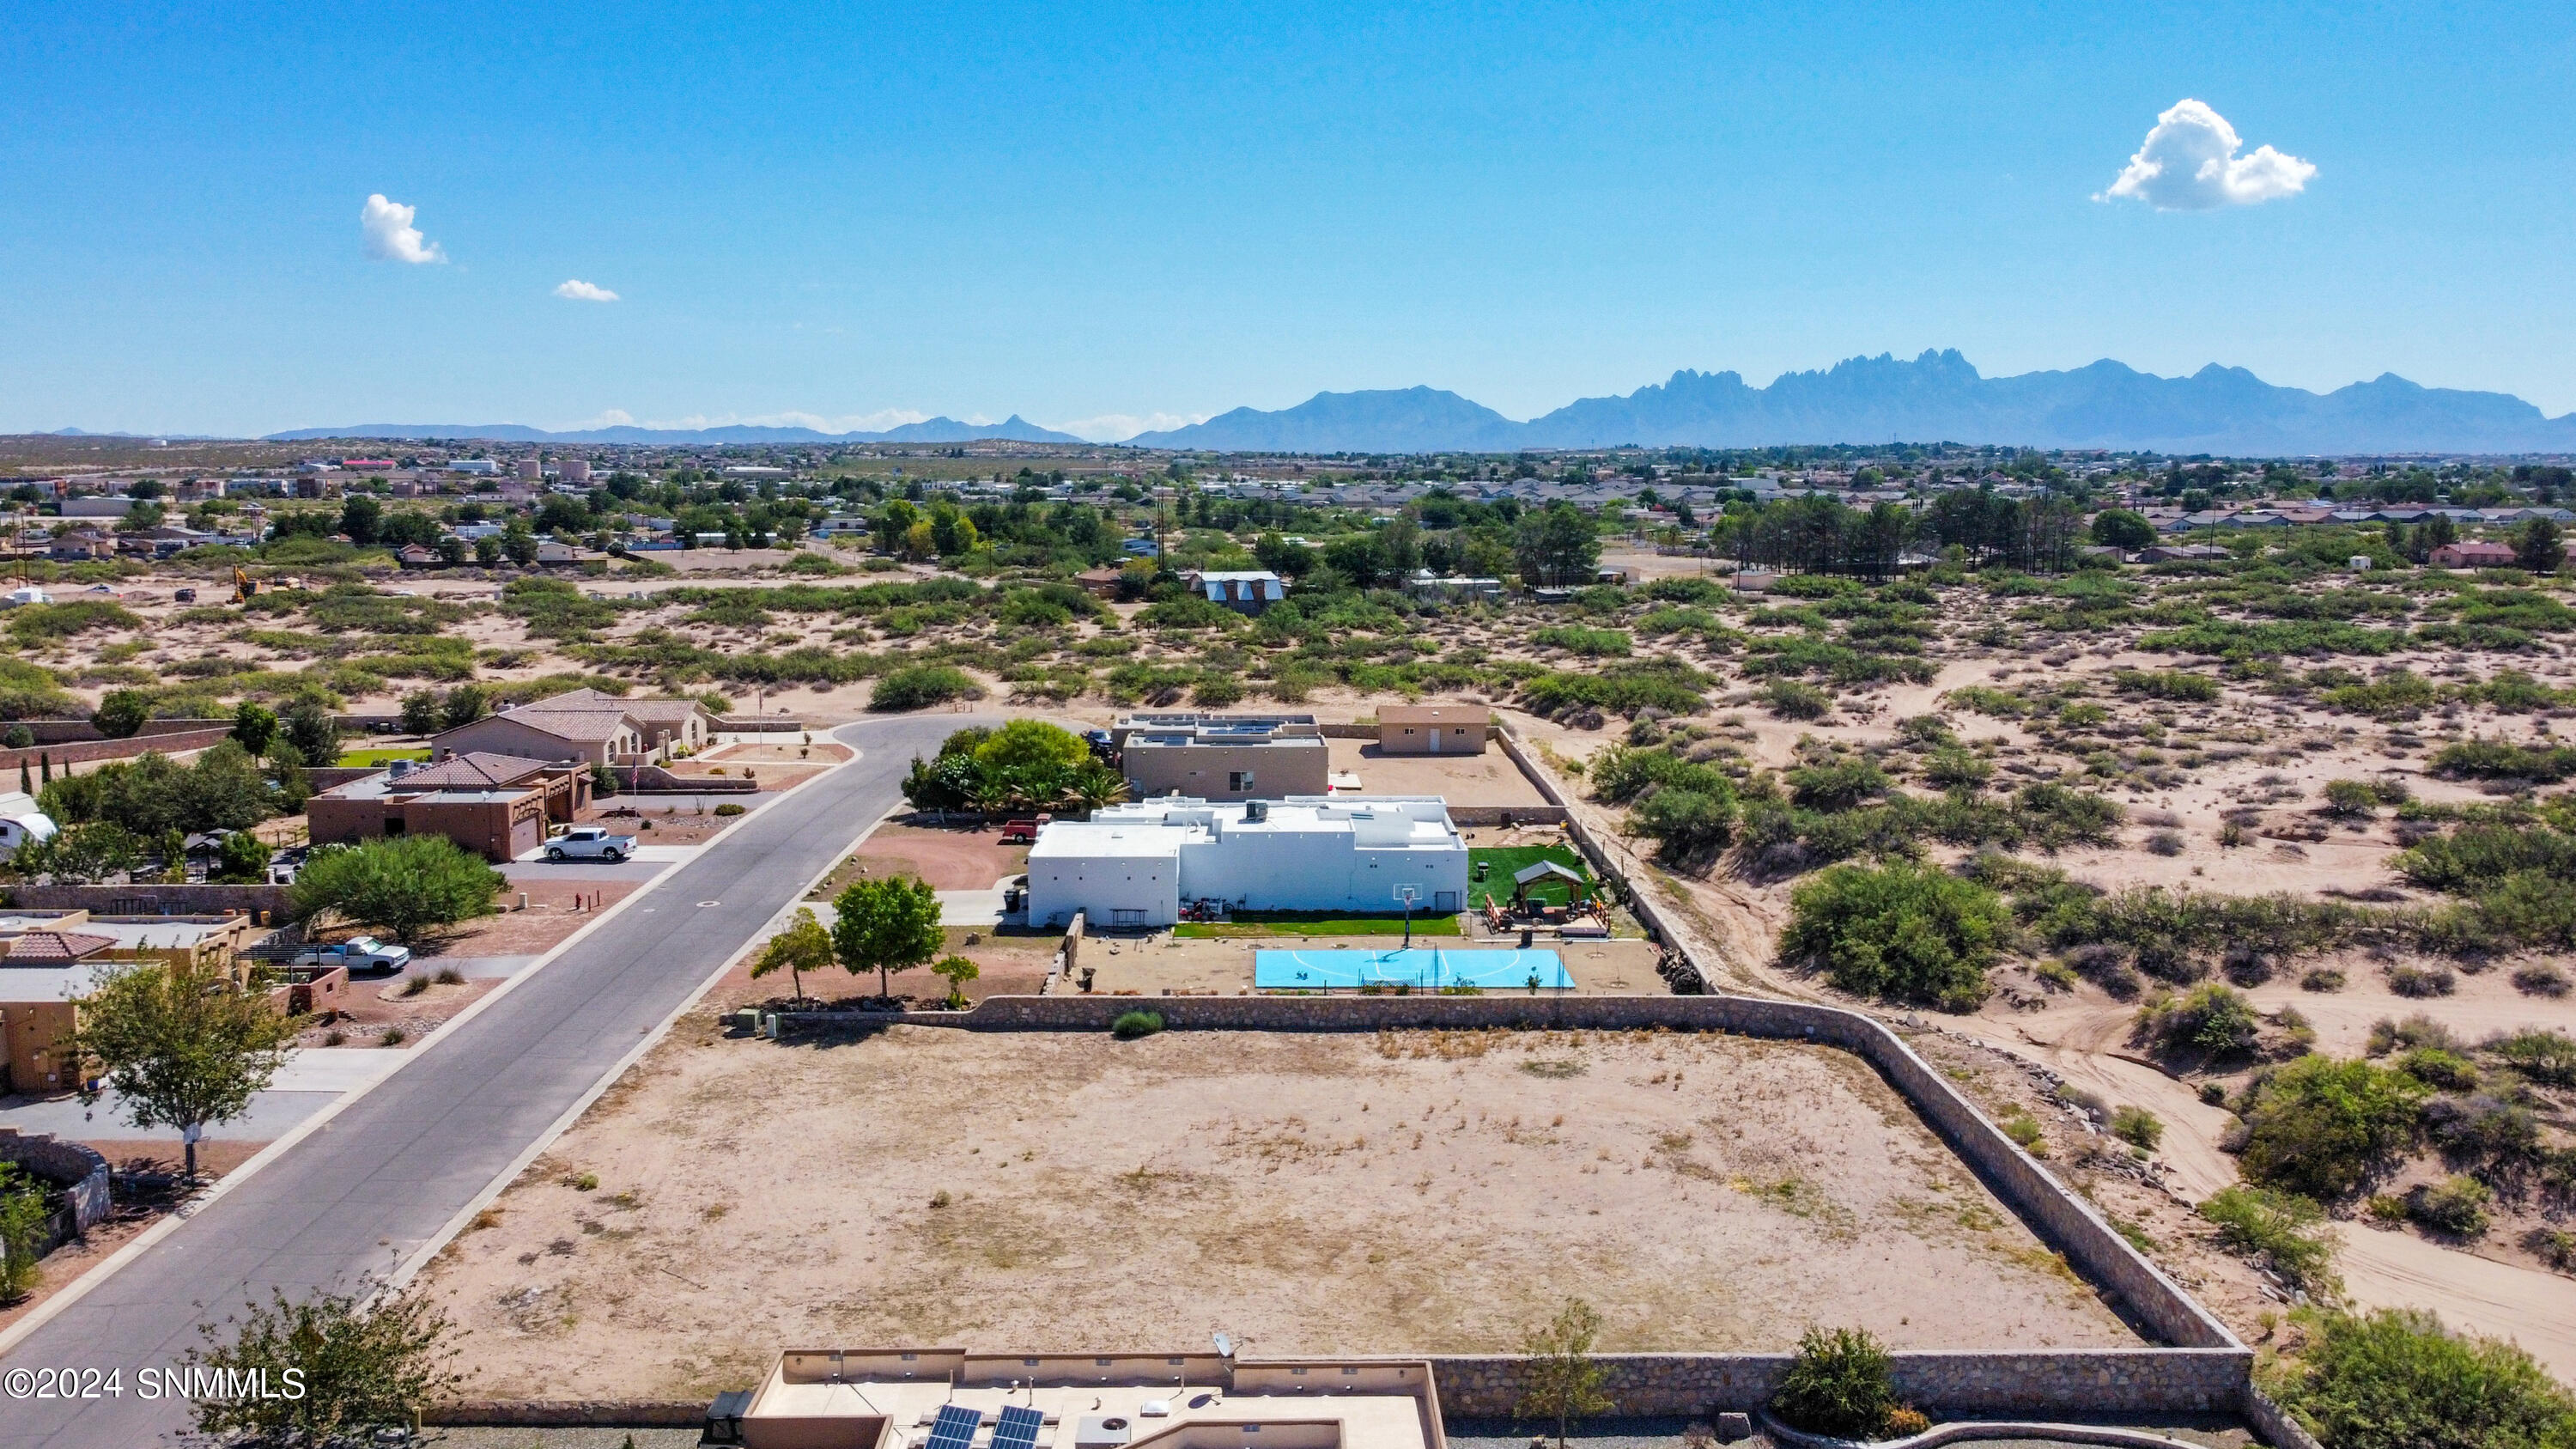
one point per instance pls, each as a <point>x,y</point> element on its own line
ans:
<point>45,948</point>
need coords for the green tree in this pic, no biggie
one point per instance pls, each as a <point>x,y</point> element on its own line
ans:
<point>2320,1127</point>
<point>2122,529</point>
<point>83,854</point>
<point>519,542</point>
<point>487,551</point>
<point>405,886</point>
<point>1031,743</point>
<point>364,1362</point>
<point>312,729</point>
<point>121,715</point>
<point>1841,1383</point>
<point>362,518</point>
<point>1914,933</point>
<point>804,946</point>
<point>1560,1379</point>
<point>2396,1379</point>
<point>420,712</point>
<point>886,925</point>
<point>956,971</point>
<point>464,704</point>
<point>179,1044</point>
<point>254,726</point>
<point>2538,548</point>
<point>1556,545</point>
<point>243,861</point>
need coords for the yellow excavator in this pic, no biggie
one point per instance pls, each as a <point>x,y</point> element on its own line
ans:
<point>243,585</point>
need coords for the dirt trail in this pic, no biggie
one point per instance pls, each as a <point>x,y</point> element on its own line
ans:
<point>2535,1309</point>
<point>2085,1047</point>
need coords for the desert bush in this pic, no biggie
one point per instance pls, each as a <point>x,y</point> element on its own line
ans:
<point>2395,1379</point>
<point>2485,759</point>
<point>1841,1383</point>
<point>2438,1069</point>
<point>1624,689</point>
<point>2415,1030</point>
<point>2540,978</point>
<point>1899,931</point>
<point>2321,1126</point>
<point>1133,1024</point>
<point>2350,799</point>
<point>2553,1246</point>
<point>2138,1127</point>
<point>2023,1129</point>
<point>2422,981</point>
<point>1838,784</point>
<point>1789,699</point>
<point>2283,1230</point>
<point>2456,1206</point>
<point>2166,842</point>
<point>1952,765</point>
<point>2540,1053</point>
<point>1590,643</point>
<point>918,686</point>
<point>2211,1020</point>
<point>2323,978</point>
<point>2498,1139</point>
<point>2175,684</point>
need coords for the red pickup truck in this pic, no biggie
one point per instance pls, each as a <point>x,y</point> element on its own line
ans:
<point>1022,832</point>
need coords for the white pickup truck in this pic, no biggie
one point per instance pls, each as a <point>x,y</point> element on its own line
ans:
<point>358,953</point>
<point>590,842</point>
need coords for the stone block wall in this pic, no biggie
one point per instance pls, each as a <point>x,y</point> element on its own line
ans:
<point>2062,1220</point>
<point>146,899</point>
<point>2076,1382</point>
<point>79,1171</point>
<point>81,751</point>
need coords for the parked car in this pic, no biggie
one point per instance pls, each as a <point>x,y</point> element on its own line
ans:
<point>185,596</point>
<point>358,953</point>
<point>283,865</point>
<point>590,842</point>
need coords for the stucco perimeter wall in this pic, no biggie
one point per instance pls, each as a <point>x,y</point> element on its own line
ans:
<point>79,1171</point>
<point>2067,1223</point>
<point>2118,1381</point>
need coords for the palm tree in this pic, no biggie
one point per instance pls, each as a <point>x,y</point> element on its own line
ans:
<point>1094,785</point>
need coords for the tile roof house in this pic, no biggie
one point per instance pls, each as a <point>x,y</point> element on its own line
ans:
<point>2472,553</point>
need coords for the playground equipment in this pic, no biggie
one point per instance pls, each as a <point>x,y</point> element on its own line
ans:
<point>1501,917</point>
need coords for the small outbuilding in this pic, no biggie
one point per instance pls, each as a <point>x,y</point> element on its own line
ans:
<point>1432,729</point>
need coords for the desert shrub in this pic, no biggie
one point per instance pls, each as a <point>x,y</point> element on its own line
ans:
<point>2138,1127</point>
<point>2321,1126</point>
<point>2210,1019</point>
<point>2438,1069</point>
<point>2478,858</point>
<point>1899,931</point>
<point>918,686</point>
<point>2323,978</point>
<point>2175,684</point>
<point>2350,798</point>
<point>2023,1129</point>
<point>1663,684</point>
<point>1788,699</point>
<point>2281,1229</point>
<point>1836,785</point>
<point>2540,979</point>
<point>1686,590</point>
<point>2553,1246</point>
<point>1133,1024</point>
<point>1951,765</point>
<point>2484,759</point>
<point>1189,612</point>
<point>364,1362</point>
<point>2416,1030</point>
<point>1590,643</point>
<point>2499,1139</point>
<point>2395,1379</point>
<point>1841,1383</point>
<point>2002,704</point>
<point>2422,981</point>
<point>727,810</point>
<point>2456,1205</point>
<point>2165,842</point>
<point>2539,1053</point>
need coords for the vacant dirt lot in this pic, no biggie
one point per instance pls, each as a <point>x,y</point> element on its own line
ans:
<point>1307,1194</point>
<point>1486,779</point>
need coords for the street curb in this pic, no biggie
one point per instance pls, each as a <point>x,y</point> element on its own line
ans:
<point>89,1282</point>
<point>448,1232</point>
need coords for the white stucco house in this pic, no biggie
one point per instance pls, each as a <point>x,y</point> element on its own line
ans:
<point>1133,866</point>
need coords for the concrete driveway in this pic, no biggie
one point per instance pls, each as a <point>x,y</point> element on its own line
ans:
<point>386,1175</point>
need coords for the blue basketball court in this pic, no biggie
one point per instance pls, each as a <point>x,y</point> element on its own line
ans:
<point>1422,970</point>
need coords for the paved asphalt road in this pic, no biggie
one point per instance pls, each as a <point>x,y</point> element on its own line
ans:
<point>383,1177</point>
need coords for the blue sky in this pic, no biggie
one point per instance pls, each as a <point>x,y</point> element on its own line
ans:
<point>1094,214</point>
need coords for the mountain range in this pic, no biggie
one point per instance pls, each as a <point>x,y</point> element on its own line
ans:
<point>1936,397</point>
<point>1015,429</point>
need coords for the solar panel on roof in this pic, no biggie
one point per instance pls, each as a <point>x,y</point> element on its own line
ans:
<point>1018,1429</point>
<point>955,1427</point>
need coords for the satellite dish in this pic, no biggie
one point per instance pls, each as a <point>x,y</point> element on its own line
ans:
<point>1224,1346</point>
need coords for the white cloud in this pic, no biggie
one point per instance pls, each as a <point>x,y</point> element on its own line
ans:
<point>581,291</point>
<point>2189,163</point>
<point>610,418</point>
<point>390,235</point>
<point>1117,427</point>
